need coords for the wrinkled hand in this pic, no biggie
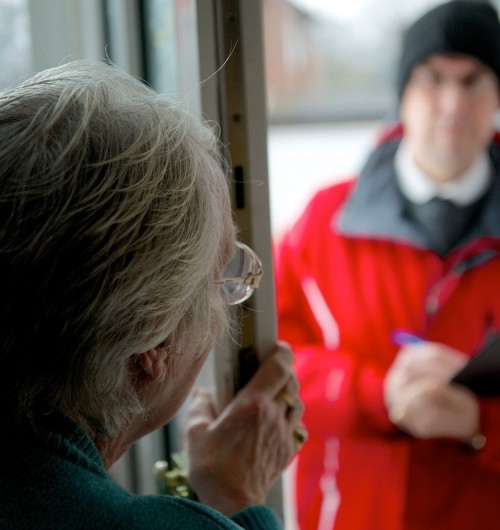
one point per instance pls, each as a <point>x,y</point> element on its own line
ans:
<point>419,398</point>
<point>235,457</point>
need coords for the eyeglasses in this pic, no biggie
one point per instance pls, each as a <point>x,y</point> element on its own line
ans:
<point>242,275</point>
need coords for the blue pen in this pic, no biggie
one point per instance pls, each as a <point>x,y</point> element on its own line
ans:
<point>402,337</point>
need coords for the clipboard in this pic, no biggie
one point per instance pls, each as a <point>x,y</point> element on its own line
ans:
<point>482,373</point>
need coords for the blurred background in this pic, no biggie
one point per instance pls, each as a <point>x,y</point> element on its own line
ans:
<point>330,71</point>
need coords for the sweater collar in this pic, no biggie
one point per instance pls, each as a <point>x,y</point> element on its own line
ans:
<point>58,431</point>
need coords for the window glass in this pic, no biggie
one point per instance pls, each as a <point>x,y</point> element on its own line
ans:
<point>171,49</point>
<point>15,41</point>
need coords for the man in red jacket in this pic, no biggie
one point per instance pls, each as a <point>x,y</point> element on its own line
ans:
<point>389,284</point>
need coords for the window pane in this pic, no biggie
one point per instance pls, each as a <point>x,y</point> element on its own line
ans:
<point>15,41</point>
<point>172,48</point>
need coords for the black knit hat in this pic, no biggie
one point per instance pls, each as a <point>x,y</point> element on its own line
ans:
<point>459,26</point>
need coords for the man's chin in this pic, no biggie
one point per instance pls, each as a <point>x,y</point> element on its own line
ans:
<point>452,145</point>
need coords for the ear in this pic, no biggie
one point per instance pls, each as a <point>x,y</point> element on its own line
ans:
<point>152,365</point>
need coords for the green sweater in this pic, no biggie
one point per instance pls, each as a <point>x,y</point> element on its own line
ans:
<point>55,479</point>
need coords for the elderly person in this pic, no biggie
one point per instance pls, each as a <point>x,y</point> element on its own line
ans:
<point>389,284</point>
<point>115,233</point>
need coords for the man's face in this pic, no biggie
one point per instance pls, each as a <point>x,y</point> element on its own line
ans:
<point>447,112</point>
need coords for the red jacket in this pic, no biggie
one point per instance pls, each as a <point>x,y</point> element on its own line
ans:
<point>351,271</point>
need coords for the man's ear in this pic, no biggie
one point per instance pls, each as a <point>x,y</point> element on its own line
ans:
<point>152,365</point>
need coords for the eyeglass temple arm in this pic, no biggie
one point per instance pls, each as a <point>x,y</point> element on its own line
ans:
<point>252,280</point>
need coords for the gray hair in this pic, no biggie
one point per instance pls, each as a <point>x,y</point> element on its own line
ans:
<point>113,224</point>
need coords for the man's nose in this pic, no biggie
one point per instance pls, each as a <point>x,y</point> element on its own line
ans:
<point>454,98</point>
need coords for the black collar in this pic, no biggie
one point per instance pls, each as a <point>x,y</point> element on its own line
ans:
<point>375,209</point>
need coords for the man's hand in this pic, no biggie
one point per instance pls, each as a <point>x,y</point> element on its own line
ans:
<point>421,401</point>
